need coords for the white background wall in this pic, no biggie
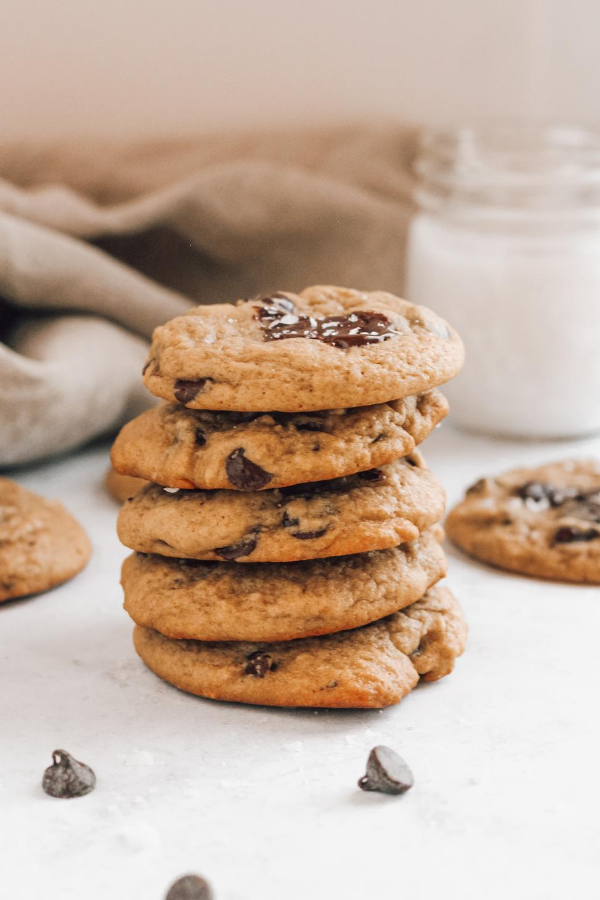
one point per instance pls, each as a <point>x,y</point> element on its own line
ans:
<point>178,66</point>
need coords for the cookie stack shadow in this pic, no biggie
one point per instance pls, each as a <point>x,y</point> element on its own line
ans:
<point>291,558</point>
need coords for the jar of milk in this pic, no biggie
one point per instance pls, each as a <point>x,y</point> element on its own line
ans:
<point>506,246</point>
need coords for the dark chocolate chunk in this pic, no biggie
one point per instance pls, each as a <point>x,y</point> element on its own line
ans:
<point>259,663</point>
<point>386,772</point>
<point>289,522</point>
<point>243,473</point>
<point>185,391</point>
<point>539,491</point>
<point>199,437</point>
<point>235,551</point>
<point>190,887</point>
<point>67,777</point>
<point>570,535</point>
<point>355,329</point>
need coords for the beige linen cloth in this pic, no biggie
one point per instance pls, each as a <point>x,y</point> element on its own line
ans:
<point>101,243</point>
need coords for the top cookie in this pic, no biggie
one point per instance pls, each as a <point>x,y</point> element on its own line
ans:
<point>543,522</point>
<point>41,544</point>
<point>325,348</point>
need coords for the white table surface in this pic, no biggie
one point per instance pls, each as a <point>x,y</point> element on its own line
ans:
<point>264,802</point>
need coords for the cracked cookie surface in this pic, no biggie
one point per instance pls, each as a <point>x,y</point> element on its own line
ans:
<point>41,544</point>
<point>186,448</point>
<point>325,348</point>
<point>222,601</point>
<point>371,510</point>
<point>370,667</point>
<point>542,521</point>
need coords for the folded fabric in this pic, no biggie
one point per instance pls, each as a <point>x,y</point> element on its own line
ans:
<point>99,244</point>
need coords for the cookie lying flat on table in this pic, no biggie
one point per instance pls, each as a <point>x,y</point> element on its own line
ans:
<point>188,448</point>
<point>327,347</point>
<point>543,522</point>
<point>370,667</point>
<point>41,544</point>
<point>371,510</point>
<point>122,487</point>
<point>222,601</point>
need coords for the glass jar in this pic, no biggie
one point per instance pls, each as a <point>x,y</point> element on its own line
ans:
<point>506,246</point>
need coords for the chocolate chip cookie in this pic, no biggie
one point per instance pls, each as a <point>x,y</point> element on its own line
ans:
<point>326,348</point>
<point>41,544</point>
<point>188,448</point>
<point>220,601</point>
<point>371,510</point>
<point>370,667</point>
<point>543,522</point>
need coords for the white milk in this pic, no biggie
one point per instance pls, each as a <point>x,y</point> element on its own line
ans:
<point>509,252</point>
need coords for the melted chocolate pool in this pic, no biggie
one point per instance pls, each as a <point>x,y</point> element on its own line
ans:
<point>281,320</point>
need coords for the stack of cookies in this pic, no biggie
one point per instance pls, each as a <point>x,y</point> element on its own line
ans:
<point>287,551</point>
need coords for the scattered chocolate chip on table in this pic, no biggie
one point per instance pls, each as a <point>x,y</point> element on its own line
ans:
<point>387,772</point>
<point>190,887</point>
<point>67,777</point>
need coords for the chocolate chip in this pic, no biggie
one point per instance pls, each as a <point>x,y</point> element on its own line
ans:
<point>289,522</point>
<point>355,329</point>
<point>199,437</point>
<point>184,391</point>
<point>243,473</point>
<point>190,887</point>
<point>386,772</point>
<point>570,535</point>
<point>235,551</point>
<point>67,777</point>
<point>538,491</point>
<point>379,437</point>
<point>259,663</point>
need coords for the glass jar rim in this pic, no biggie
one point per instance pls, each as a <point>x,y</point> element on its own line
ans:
<point>510,164</point>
